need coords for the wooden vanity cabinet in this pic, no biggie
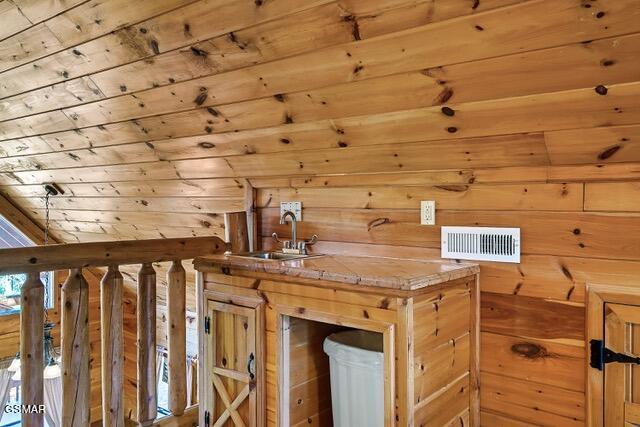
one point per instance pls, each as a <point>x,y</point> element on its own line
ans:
<point>256,330</point>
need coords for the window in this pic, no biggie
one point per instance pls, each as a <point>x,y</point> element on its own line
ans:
<point>162,391</point>
<point>10,284</point>
<point>10,419</point>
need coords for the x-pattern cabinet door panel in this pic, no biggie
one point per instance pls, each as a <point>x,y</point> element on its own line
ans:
<point>621,380</point>
<point>233,362</point>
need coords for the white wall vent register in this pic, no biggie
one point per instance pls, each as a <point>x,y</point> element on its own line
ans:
<point>481,243</point>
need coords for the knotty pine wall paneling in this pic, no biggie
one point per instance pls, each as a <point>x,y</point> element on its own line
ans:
<point>506,112</point>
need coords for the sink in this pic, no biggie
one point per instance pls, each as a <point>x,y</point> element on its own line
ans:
<point>274,256</point>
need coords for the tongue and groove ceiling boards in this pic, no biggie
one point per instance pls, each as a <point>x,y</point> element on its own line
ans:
<point>157,116</point>
<point>165,106</point>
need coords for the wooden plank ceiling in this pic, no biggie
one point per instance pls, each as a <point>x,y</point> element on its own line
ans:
<point>166,106</point>
<point>156,115</point>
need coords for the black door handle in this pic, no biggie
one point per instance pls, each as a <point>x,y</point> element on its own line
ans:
<point>251,366</point>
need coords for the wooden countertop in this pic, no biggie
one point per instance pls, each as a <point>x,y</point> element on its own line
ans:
<point>393,273</point>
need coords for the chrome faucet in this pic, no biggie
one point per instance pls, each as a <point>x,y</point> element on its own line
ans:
<point>294,226</point>
<point>293,246</point>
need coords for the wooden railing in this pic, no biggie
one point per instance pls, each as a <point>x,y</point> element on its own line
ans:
<point>75,333</point>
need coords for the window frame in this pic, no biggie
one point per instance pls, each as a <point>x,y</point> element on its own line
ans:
<point>52,295</point>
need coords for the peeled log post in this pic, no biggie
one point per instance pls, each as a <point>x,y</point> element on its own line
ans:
<point>111,325</point>
<point>76,383</point>
<point>176,338</point>
<point>146,310</point>
<point>31,347</point>
<point>236,232</point>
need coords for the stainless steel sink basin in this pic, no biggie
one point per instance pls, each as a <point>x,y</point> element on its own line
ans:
<point>274,256</point>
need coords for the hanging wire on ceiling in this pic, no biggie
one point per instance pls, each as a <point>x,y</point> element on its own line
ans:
<point>51,190</point>
<point>46,220</point>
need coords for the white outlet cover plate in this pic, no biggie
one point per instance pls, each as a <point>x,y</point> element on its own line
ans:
<point>428,212</point>
<point>295,207</point>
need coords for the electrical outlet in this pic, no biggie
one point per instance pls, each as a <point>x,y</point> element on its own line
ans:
<point>428,212</point>
<point>295,207</point>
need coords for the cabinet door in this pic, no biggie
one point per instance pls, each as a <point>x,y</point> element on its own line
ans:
<point>622,380</point>
<point>233,366</point>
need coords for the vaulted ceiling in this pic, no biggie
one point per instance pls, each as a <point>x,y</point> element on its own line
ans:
<point>152,114</point>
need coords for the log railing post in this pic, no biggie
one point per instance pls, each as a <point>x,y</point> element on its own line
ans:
<point>31,347</point>
<point>111,325</point>
<point>76,384</point>
<point>176,338</point>
<point>146,311</point>
<point>75,343</point>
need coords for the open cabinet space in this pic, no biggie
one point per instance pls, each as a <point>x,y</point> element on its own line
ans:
<point>305,380</point>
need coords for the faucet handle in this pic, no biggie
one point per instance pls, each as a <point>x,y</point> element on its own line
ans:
<point>277,239</point>
<point>313,240</point>
<point>302,246</point>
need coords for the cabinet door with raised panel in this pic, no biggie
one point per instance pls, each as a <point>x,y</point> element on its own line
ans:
<point>233,365</point>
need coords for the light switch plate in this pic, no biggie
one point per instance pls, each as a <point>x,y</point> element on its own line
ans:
<point>428,212</point>
<point>295,207</point>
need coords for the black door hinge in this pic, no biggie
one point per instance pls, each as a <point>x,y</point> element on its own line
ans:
<point>207,419</point>
<point>207,325</point>
<point>601,355</point>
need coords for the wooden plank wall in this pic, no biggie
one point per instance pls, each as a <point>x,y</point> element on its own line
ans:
<point>156,117</point>
<point>309,380</point>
